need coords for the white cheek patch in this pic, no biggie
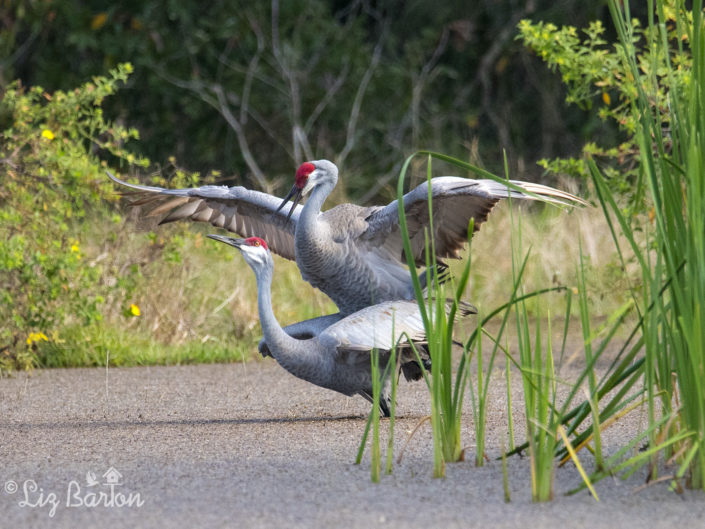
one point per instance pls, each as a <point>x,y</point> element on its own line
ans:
<point>258,257</point>
<point>254,254</point>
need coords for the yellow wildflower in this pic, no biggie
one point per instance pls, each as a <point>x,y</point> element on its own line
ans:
<point>606,98</point>
<point>36,337</point>
<point>74,248</point>
<point>134,309</point>
<point>46,133</point>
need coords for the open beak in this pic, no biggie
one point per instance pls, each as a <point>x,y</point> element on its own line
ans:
<point>237,243</point>
<point>295,192</point>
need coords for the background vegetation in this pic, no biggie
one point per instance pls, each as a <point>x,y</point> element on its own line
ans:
<point>241,94</point>
<point>252,89</point>
<point>178,94</point>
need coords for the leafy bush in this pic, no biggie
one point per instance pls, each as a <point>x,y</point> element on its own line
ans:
<point>53,182</point>
<point>81,283</point>
<point>596,73</point>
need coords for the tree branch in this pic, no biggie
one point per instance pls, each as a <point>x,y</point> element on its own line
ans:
<point>327,98</point>
<point>421,82</point>
<point>224,110</point>
<point>251,69</point>
<point>357,102</point>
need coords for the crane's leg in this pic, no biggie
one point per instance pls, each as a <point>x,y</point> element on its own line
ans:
<point>384,401</point>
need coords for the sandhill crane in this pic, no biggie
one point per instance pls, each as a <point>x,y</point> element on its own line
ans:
<point>337,356</point>
<point>352,253</point>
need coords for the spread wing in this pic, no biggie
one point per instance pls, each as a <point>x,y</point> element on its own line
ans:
<point>455,201</point>
<point>242,211</point>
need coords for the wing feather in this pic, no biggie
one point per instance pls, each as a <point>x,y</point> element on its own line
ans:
<point>381,326</point>
<point>242,211</point>
<point>455,201</point>
<point>371,327</point>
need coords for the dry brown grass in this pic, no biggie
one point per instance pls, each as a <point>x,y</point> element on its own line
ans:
<point>553,237</point>
<point>209,295</point>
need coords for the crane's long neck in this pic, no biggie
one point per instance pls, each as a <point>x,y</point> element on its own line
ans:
<point>313,205</point>
<point>292,354</point>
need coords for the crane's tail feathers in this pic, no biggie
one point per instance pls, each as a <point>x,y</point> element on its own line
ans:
<point>410,366</point>
<point>441,271</point>
<point>464,308</point>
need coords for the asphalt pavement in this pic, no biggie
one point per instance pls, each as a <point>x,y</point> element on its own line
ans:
<point>248,445</point>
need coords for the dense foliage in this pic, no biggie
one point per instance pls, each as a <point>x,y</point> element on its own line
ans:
<point>254,88</point>
<point>51,186</point>
<point>594,69</point>
<point>83,283</point>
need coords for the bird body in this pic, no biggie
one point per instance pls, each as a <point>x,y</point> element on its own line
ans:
<point>353,254</point>
<point>338,356</point>
<point>330,257</point>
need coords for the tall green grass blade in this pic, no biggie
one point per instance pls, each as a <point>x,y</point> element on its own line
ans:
<point>510,417</point>
<point>505,479</point>
<point>376,391</point>
<point>590,359</point>
<point>363,440</point>
<point>393,407</point>
<point>566,325</point>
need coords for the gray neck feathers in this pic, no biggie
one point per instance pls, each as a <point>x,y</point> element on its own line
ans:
<point>292,354</point>
<point>312,234</point>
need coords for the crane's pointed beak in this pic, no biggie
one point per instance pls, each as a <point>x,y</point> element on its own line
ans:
<point>237,243</point>
<point>295,192</point>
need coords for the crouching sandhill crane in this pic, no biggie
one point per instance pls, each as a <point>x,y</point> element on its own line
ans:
<point>352,253</point>
<point>337,357</point>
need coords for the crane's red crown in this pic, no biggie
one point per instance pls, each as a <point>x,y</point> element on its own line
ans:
<point>256,241</point>
<point>302,174</point>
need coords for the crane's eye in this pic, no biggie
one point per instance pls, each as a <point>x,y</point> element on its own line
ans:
<point>256,243</point>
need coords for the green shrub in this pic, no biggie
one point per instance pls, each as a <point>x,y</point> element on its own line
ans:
<point>595,72</point>
<point>53,183</point>
<point>83,284</point>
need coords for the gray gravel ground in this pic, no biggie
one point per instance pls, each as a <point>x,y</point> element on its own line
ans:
<point>251,446</point>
